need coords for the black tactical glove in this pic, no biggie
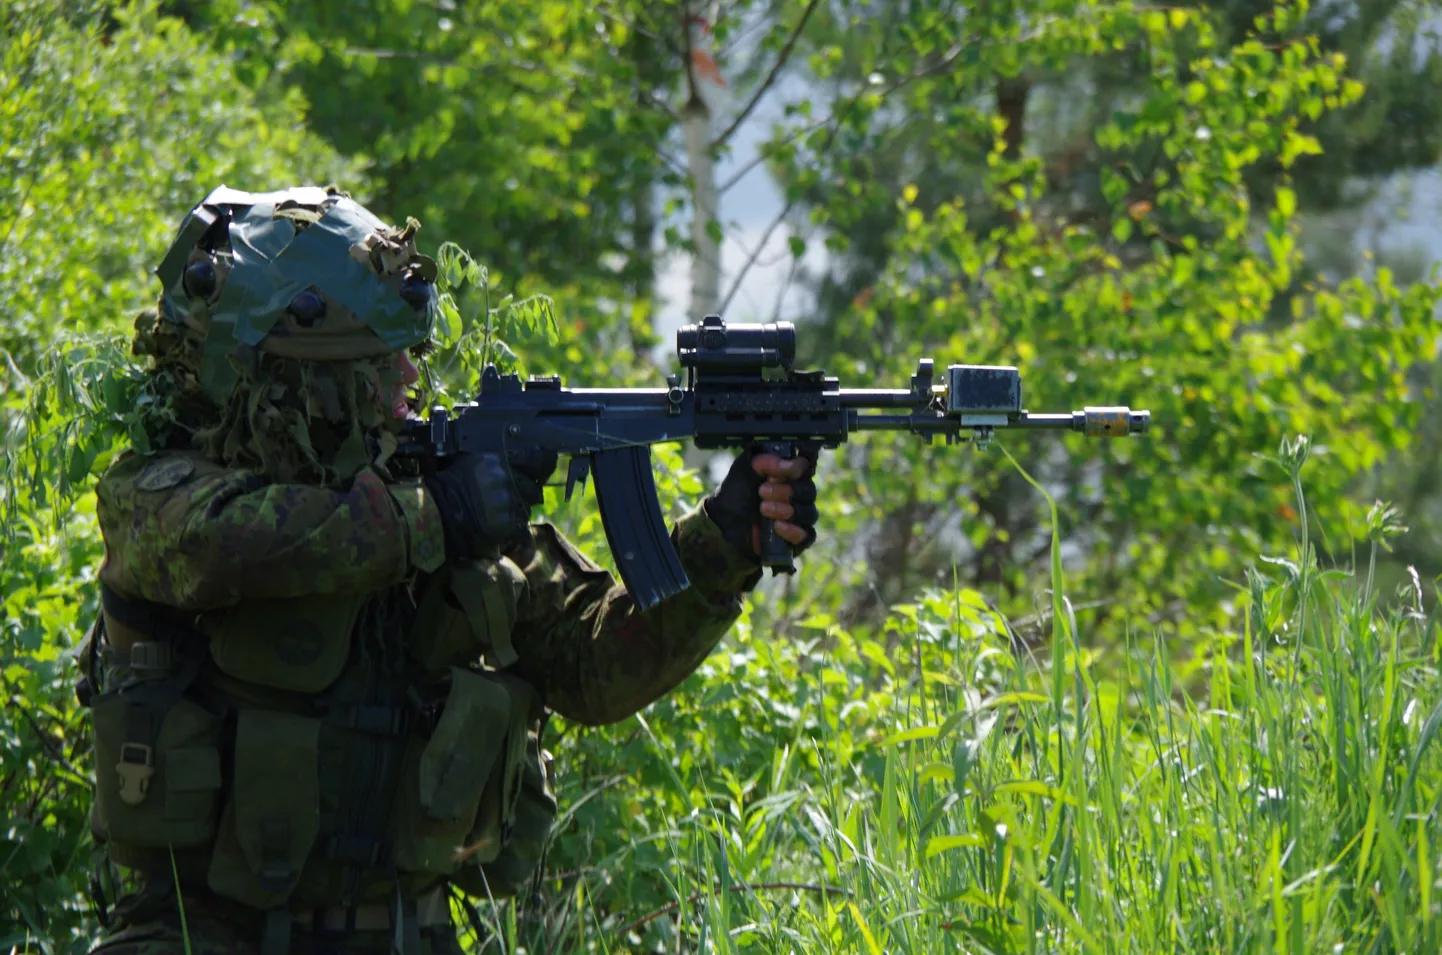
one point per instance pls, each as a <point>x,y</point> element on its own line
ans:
<point>485,499</point>
<point>736,507</point>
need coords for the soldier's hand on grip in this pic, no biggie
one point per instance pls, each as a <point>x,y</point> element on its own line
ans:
<point>766,486</point>
<point>485,499</point>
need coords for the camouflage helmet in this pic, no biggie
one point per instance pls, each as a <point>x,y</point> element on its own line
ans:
<point>304,273</point>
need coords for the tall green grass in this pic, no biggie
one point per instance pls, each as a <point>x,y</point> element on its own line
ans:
<point>932,787</point>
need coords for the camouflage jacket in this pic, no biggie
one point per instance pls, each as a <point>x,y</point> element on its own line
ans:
<point>186,533</point>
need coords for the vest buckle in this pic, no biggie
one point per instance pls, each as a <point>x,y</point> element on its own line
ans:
<point>136,767</point>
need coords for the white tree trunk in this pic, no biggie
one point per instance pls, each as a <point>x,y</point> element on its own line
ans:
<point>706,259</point>
<point>696,121</point>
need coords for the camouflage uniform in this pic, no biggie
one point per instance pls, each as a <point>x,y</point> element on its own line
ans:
<point>304,713</point>
<point>216,538</point>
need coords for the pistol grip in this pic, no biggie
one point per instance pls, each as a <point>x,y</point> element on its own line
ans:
<point>776,553</point>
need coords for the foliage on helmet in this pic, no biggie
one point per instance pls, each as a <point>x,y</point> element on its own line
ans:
<point>273,347</point>
<point>303,273</point>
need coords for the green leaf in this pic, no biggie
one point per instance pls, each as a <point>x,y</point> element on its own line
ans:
<point>936,845</point>
<point>910,735</point>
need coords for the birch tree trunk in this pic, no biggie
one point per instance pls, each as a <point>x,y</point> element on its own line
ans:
<point>696,119</point>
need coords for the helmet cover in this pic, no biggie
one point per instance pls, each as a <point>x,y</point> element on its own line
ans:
<point>370,291</point>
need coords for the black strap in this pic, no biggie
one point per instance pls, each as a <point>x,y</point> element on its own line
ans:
<point>99,897</point>
<point>277,873</point>
<point>348,848</point>
<point>147,617</point>
<point>374,719</point>
<point>407,937</point>
<point>89,684</point>
<point>275,939</point>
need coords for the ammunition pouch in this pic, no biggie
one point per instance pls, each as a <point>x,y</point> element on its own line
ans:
<point>272,816</point>
<point>157,747</point>
<point>157,768</point>
<point>275,657</point>
<point>298,644</point>
<point>466,611</point>
<point>459,787</point>
<point>529,832</point>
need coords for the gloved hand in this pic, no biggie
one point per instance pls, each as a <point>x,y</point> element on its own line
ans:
<point>765,486</point>
<point>485,498</point>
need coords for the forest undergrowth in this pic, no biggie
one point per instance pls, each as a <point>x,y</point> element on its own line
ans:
<point>1236,755</point>
<point>935,787</point>
<point>936,783</point>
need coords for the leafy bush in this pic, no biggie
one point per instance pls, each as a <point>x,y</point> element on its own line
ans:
<point>932,786</point>
<point>113,122</point>
<point>852,771</point>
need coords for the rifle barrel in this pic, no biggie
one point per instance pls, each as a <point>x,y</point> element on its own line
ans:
<point>877,398</point>
<point>1093,422</point>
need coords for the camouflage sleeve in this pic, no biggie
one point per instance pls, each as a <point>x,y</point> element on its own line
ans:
<point>183,532</point>
<point>582,641</point>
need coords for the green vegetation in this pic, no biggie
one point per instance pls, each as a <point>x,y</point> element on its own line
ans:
<point>935,787</point>
<point>1216,735</point>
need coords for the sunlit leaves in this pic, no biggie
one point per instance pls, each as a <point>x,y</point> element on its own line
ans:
<point>1134,262</point>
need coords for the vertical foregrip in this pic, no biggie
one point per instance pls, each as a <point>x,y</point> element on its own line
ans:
<point>635,528</point>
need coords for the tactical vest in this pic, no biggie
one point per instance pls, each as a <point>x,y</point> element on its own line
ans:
<point>334,750</point>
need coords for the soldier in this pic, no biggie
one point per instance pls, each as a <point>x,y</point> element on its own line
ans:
<point>319,679</point>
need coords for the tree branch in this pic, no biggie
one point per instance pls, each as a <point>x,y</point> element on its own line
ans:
<point>785,287</point>
<point>762,155</point>
<point>755,254</point>
<point>776,67</point>
<point>834,122</point>
<point>765,152</point>
<point>52,749</point>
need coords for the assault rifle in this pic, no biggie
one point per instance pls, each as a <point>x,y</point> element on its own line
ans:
<point>741,391</point>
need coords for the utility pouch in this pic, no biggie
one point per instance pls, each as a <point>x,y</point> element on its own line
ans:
<point>495,818</point>
<point>445,778</point>
<point>299,644</point>
<point>273,814</point>
<point>157,767</point>
<point>467,612</point>
<point>511,871</point>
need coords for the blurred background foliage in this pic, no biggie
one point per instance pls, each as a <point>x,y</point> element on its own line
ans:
<point>1176,207</point>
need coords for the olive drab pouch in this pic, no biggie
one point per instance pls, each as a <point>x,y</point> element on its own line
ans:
<point>157,767</point>
<point>299,644</point>
<point>466,612</point>
<point>495,816</point>
<point>512,870</point>
<point>272,817</point>
<point>446,778</point>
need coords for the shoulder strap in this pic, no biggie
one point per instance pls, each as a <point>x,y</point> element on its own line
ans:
<point>156,621</point>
